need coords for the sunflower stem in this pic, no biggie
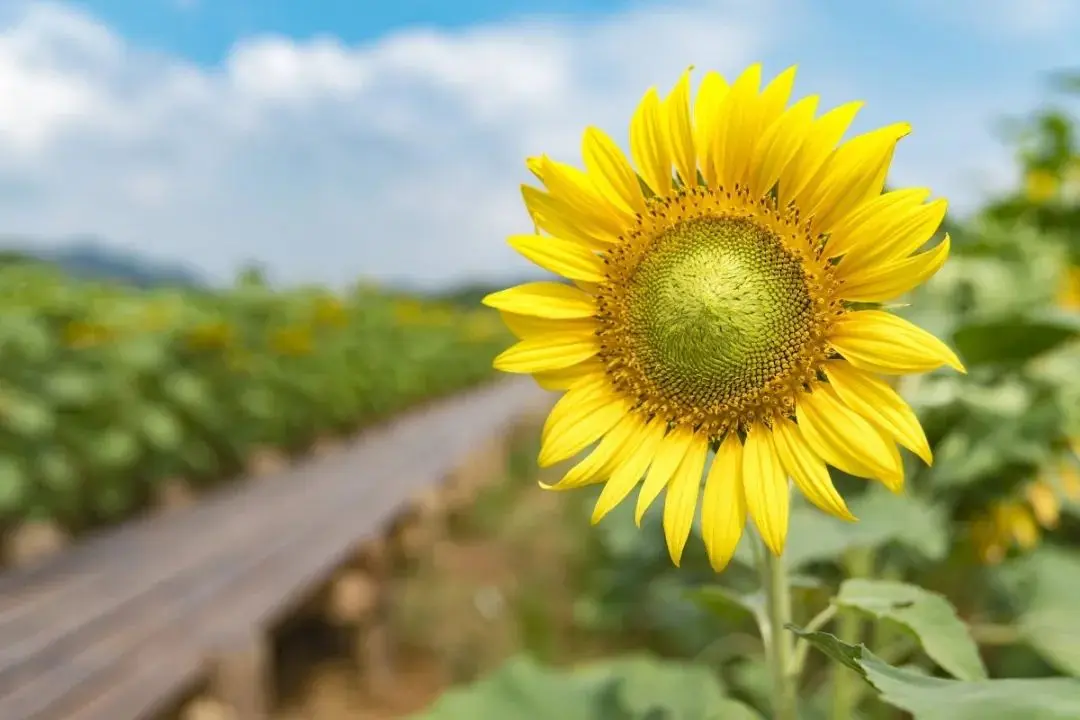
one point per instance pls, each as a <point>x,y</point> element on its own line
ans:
<point>780,641</point>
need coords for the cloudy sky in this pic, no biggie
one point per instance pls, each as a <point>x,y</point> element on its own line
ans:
<point>331,140</point>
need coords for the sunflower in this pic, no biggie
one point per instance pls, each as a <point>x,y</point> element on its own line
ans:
<point>1069,294</point>
<point>725,309</point>
<point>1040,186</point>
<point>1020,521</point>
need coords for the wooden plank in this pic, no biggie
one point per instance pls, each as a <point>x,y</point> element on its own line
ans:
<point>160,647</point>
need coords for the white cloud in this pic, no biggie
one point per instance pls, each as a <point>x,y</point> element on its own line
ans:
<point>397,158</point>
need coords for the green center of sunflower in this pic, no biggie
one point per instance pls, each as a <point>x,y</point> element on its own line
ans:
<point>716,309</point>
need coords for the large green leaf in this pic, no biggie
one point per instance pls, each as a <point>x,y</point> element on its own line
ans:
<point>931,617</point>
<point>930,698</point>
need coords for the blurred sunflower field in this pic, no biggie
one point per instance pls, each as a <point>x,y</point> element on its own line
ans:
<point>107,391</point>
<point>957,600</point>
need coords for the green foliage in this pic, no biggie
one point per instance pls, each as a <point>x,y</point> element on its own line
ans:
<point>631,688</point>
<point>931,698</point>
<point>107,390</point>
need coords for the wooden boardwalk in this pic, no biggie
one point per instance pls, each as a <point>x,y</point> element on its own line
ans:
<point>122,625</point>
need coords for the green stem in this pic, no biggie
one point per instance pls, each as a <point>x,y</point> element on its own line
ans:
<point>802,647</point>
<point>846,685</point>
<point>996,634</point>
<point>780,653</point>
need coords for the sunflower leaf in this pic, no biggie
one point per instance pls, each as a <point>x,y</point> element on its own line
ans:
<point>931,698</point>
<point>931,617</point>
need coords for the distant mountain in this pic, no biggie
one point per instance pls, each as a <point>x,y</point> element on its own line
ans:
<point>90,259</point>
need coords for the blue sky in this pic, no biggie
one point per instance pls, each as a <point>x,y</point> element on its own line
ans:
<point>204,30</point>
<point>333,140</point>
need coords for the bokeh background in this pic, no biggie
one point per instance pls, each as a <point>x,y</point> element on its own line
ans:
<point>235,229</point>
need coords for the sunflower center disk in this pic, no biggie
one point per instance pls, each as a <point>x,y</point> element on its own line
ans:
<point>716,309</point>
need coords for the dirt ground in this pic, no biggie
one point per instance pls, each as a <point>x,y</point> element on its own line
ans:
<point>499,580</point>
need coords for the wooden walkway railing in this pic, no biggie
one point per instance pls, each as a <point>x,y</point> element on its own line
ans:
<point>121,626</point>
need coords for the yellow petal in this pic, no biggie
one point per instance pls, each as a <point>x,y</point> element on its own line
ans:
<point>842,438</point>
<point>563,257</point>
<point>586,389</point>
<point>824,134</point>
<point>610,172</point>
<point>807,469</point>
<point>780,143</point>
<point>579,425</point>
<point>583,197</point>
<point>706,112</point>
<point>853,174</point>
<point>640,451</point>
<point>552,351</point>
<point>874,219</point>
<point>524,326</point>
<point>672,449</point>
<point>648,144</point>
<point>738,121</point>
<point>563,379</point>
<point>597,465</point>
<point>534,164</point>
<point>556,217</point>
<point>552,300</point>
<point>680,132</point>
<point>906,234</point>
<point>682,495</point>
<point>880,404</point>
<point>878,341</point>
<point>723,508</point>
<point>768,498</point>
<point>775,96</point>
<point>881,283</point>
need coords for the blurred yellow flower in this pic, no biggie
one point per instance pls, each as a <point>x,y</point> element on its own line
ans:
<point>80,334</point>
<point>1040,186</point>
<point>1020,521</point>
<point>213,335</point>
<point>292,341</point>
<point>1069,295</point>
<point>330,312</point>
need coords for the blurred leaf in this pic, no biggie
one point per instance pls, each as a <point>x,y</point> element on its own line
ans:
<point>115,449</point>
<point>13,485</point>
<point>160,428</point>
<point>639,688</point>
<point>1049,621</point>
<point>26,416</point>
<point>646,687</point>
<point>720,601</point>
<point>1014,339</point>
<point>71,387</point>
<point>883,517</point>
<point>928,615</point>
